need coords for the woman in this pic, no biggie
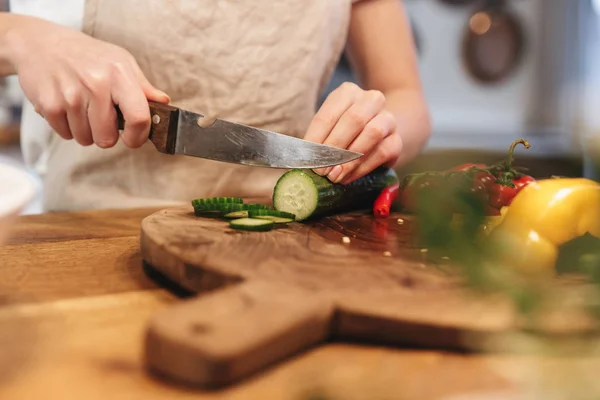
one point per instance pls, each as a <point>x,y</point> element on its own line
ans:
<point>261,63</point>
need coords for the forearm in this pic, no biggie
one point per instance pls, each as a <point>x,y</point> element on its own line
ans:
<point>412,118</point>
<point>8,23</point>
<point>384,58</point>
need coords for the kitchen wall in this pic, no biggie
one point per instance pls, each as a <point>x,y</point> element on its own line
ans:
<point>536,100</point>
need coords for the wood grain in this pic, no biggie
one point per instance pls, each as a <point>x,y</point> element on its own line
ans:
<point>95,343</point>
<point>98,266</point>
<point>93,340</point>
<point>226,340</point>
<point>67,226</point>
<point>304,282</point>
<point>73,254</point>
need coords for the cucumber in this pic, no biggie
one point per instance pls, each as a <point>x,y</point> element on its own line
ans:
<point>308,195</point>
<point>212,206</point>
<point>279,217</point>
<point>251,224</point>
<point>210,201</point>
<point>206,210</point>
<point>225,209</point>
<point>237,214</point>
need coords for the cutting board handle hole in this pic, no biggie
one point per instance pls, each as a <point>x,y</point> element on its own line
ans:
<point>198,328</point>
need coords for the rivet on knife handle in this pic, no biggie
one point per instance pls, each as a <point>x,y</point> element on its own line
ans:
<point>163,127</point>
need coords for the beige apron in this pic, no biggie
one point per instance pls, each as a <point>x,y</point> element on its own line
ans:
<point>259,62</point>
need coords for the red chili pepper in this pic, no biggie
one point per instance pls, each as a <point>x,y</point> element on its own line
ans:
<point>383,203</point>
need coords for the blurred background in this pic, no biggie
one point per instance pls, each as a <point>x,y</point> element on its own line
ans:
<point>493,71</point>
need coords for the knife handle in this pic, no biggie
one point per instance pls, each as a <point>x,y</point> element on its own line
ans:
<point>163,126</point>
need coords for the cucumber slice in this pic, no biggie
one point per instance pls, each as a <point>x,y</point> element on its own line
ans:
<point>219,200</point>
<point>237,214</point>
<point>251,224</point>
<point>308,195</point>
<point>216,200</point>
<point>229,208</point>
<point>240,210</point>
<point>279,217</point>
<point>213,205</point>
<point>277,220</point>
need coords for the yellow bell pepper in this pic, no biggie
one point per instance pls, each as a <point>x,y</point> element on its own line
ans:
<point>543,216</point>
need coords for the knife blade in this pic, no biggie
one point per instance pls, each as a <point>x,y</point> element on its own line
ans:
<point>177,131</point>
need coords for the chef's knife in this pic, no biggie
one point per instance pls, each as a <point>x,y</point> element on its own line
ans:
<point>177,131</point>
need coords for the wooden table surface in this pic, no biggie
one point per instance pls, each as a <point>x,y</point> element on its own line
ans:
<point>75,299</point>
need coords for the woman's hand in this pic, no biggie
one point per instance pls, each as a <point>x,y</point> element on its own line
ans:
<point>355,119</point>
<point>74,81</point>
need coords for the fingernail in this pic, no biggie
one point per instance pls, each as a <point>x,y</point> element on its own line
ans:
<point>328,170</point>
<point>319,171</point>
<point>335,173</point>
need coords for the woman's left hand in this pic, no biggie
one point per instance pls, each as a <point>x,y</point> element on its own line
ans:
<point>356,119</point>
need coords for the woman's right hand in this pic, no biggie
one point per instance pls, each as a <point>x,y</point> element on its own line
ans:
<point>74,81</point>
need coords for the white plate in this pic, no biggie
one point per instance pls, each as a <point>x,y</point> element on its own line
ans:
<point>17,189</point>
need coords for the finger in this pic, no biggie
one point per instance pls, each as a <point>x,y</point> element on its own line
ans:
<point>51,109</point>
<point>336,104</point>
<point>132,102</point>
<point>385,153</point>
<point>76,107</point>
<point>103,120</point>
<point>151,92</point>
<point>59,124</point>
<point>379,128</point>
<point>354,120</point>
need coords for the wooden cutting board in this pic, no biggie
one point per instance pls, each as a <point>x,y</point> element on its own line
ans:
<point>274,294</point>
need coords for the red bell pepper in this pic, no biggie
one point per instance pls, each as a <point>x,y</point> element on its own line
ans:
<point>496,185</point>
<point>489,210</point>
<point>508,181</point>
<point>522,181</point>
<point>413,184</point>
<point>501,195</point>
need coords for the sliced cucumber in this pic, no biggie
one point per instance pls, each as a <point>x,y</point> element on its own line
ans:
<point>231,208</point>
<point>206,210</point>
<point>227,208</point>
<point>307,195</point>
<point>277,220</point>
<point>251,224</point>
<point>212,206</point>
<point>237,214</point>
<point>279,217</point>
<point>216,200</point>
